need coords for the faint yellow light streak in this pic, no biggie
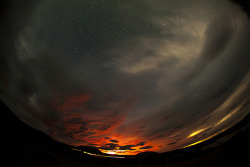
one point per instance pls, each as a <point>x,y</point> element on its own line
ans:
<point>223,119</point>
<point>97,155</point>
<point>197,132</point>
<point>24,46</point>
<point>200,141</point>
<point>229,115</point>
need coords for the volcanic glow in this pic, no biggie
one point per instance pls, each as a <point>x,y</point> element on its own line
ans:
<point>120,145</point>
<point>94,131</point>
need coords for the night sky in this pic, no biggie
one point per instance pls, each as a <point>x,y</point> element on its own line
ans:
<point>127,76</point>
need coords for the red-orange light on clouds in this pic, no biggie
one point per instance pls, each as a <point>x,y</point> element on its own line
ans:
<point>87,127</point>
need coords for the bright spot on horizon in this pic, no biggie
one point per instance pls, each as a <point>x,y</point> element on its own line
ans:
<point>112,152</point>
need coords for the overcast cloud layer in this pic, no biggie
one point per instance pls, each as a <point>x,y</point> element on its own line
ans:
<point>130,75</point>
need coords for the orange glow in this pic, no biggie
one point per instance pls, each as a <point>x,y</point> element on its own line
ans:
<point>123,152</point>
<point>86,127</point>
<point>83,124</point>
<point>119,152</point>
<point>125,141</point>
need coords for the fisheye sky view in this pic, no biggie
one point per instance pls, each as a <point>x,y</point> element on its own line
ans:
<point>127,76</point>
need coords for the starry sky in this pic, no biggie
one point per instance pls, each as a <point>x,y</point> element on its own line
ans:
<point>127,76</point>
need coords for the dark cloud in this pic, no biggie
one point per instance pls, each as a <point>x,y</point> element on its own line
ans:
<point>218,35</point>
<point>141,144</point>
<point>146,147</point>
<point>127,147</point>
<point>114,141</point>
<point>105,148</point>
<point>114,145</point>
<point>178,126</point>
<point>160,136</point>
<point>172,143</point>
